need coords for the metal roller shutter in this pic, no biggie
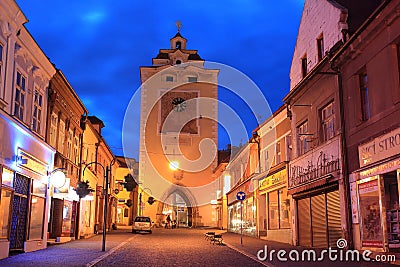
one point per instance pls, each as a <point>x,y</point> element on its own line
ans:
<point>304,222</point>
<point>318,217</point>
<point>334,223</point>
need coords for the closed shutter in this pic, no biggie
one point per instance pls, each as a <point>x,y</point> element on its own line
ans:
<point>318,217</point>
<point>334,223</point>
<point>304,222</point>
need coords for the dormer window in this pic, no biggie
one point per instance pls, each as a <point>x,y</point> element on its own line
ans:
<point>178,45</point>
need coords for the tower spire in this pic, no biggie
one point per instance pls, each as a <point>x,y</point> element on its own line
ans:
<point>178,25</point>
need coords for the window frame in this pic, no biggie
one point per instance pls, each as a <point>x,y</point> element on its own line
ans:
<point>302,138</point>
<point>327,120</point>
<point>320,47</point>
<point>20,90</point>
<point>364,95</point>
<point>38,104</point>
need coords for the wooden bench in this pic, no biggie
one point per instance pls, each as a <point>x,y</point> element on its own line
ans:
<point>209,235</point>
<point>216,239</point>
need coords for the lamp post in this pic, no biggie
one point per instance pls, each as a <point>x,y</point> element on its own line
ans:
<point>105,194</point>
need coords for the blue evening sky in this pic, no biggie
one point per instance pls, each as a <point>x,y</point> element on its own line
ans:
<point>100,45</point>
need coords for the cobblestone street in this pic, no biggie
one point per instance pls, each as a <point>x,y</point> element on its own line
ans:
<point>165,247</point>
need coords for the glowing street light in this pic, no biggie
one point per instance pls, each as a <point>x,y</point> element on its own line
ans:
<point>174,165</point>
<point>57,178</point>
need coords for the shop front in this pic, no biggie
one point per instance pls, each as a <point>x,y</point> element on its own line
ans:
<point>274,206</point>
<point>375,194</point>
<point>63,213</point>
<point>318,196</point>
<point>242,215</point>
<point>24,200</point>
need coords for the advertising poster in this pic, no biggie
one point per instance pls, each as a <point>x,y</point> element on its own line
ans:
<point>370,214</point>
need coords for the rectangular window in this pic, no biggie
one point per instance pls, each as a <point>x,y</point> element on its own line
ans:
<point>288,140</point>
<point>302,138</point>
<point>76,149</point>
<point>5,207</point>
<point>69,145</point>
<point>169,79</point>
<point>192,79</point>
<point>53,129</point>
<point>61,137</point>
<point>328,122</point>
<point>37,218</point>
<point>1,65</point>
<point>304,66</point>
<point>19,100</point>
<point>278,152</point>
<point>365,108</point>
<point>37,111</point>
<point>320,47</point>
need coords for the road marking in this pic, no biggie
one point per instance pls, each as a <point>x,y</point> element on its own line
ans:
<point>249,255</point>
<point>111,251</point>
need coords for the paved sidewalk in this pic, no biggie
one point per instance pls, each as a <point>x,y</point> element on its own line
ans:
<point>74,253</point>
<point>251,246</point>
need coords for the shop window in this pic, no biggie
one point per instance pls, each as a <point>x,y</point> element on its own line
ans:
<point>19,100</point>
<point>302,138</point>
<point>279,210</point>
<point>37,111</point>
<point>364,95</point>
<point>5,207</point>
<point>37,218</point>
<point>328,122</point>
<point>320,47</point>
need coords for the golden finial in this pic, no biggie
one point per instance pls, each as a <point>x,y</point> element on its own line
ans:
<point>178,25</point>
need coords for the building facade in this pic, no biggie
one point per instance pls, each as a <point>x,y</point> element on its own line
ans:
<point>177,115</point>
<point>316,180</point>
<point>368,65</point>
<point>65,133</point>
<point>274,211</point>
<point>25,158</point>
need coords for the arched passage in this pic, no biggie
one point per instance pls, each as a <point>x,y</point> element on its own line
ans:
<point>180,204</point>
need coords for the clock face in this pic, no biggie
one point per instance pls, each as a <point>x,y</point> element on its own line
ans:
<point>179,104</point>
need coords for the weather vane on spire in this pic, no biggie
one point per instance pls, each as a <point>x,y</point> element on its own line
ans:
<point>178,25</point>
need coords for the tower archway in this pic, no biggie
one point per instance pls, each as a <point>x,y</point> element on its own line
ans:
<point>180,204</point>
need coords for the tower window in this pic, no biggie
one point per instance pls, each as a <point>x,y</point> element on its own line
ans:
<point>178,45</point>
<point>304,66</point>
<point>320,47</point>
<point>178,62</point>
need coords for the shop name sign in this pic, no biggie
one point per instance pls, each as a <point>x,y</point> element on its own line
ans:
<point>272,180</point>
<point>29,162</point>
<point>382,147</point>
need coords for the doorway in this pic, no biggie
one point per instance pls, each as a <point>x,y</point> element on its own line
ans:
<point>19,212</point>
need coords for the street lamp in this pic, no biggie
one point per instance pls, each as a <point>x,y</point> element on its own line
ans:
<point>106,170</point>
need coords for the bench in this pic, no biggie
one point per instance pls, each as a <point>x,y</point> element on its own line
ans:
<point>209,235</point>
<point>216,239</point>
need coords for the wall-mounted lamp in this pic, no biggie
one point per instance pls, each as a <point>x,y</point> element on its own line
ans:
<point>57,177</point>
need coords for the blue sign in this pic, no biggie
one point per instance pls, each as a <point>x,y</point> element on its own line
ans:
<point>241,195</point>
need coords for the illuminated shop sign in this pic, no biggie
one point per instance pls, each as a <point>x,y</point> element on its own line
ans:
<point>273,180</point>
<point>382,147</point>
<point>27,161</point>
